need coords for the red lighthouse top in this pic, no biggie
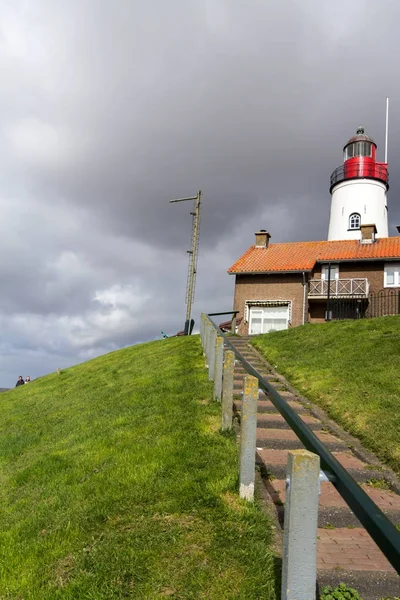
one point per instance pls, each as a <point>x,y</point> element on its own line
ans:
<point>359,161</point>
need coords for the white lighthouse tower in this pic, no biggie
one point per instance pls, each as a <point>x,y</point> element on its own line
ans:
<point>359,191</point>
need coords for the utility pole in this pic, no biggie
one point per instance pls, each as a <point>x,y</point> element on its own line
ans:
<point>192,269</point>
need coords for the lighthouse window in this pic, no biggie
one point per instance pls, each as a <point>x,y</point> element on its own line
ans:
<point>349,152</point>
<point>354,221</point>
<point>358,149</point>
<point>365,148</point>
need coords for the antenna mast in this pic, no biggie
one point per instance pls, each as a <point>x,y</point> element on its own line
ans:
<point>193,253</point>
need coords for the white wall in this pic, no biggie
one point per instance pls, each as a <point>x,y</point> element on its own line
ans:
<point>364,196</point>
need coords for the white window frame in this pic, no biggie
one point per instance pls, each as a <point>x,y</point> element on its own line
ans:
<point>249,304</point>
<point>325,271</point>
<point>396,280</point>
<point>355,215</point>
<point>279,302</point>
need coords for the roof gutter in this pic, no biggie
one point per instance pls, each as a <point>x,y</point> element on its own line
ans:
<point>346,260</point>
<point>299,271</point>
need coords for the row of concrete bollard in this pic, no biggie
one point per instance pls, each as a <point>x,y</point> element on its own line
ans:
<point>221,364</point>
<point>299,553</point>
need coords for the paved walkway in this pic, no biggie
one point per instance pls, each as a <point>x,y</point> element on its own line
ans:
<point>346,552</point>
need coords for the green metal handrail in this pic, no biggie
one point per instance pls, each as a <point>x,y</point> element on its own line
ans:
<point>379,527</point>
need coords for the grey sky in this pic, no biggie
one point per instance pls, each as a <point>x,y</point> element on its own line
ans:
<point>109,109</point>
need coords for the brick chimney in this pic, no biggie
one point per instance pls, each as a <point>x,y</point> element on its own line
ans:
<point>368,233</point>
<point>262,238</point>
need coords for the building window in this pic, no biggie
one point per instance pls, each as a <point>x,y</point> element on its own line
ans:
<point>391,277</point>
<point>267,315</point>
<point>355,221</point>
<point>334,272</point>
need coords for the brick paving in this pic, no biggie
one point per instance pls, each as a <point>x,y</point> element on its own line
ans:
<point>277,418</point>
<point>342,549</point>
<point>385,499</point>
<point>351,549</point>
<point>279,457</point>
<point>288,434</point>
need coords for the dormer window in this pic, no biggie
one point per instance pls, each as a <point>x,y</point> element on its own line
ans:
<point>355,221</point>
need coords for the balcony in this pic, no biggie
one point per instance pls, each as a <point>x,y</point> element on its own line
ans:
<point>339,288</point>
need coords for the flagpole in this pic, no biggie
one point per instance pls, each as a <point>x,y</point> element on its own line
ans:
<point>387,129</point>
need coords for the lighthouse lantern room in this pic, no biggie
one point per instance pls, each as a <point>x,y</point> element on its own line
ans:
<point>359,191</point>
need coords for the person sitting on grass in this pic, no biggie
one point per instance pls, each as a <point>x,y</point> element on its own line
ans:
<point>20,381</point>
<point>28,379</point>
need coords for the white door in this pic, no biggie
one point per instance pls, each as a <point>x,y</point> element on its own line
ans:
<point>264,319</point>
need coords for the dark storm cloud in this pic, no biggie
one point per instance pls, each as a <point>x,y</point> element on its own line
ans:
<point>109,110</point>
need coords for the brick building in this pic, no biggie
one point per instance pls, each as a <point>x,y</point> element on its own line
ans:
<point>355,273</point>
<point>285,285</point>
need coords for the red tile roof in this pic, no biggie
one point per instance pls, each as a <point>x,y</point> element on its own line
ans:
<point>302,256</point>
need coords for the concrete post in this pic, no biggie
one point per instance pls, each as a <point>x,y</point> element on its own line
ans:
<point>211,356</point>
<point>207,341</point>
<point>218,365</point>
<point>227,390</point>
<point>299,569</point>
<point>248,429</point>
<point>201,329</point>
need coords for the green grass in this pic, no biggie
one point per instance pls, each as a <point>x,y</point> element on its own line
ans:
<point>352,370</point>
<point>115,482</point>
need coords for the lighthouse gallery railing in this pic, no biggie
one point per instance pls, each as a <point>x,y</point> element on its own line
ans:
<point>360,170</point>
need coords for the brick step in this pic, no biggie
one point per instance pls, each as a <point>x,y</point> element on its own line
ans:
<point>241,372</point>
<point>255,362</point>
<point>243,346</point>
<point>288,440</point>
<point>285,394</point>
<point>371,585</point>
<point>280,387</point>
<point>351,549</point>
<point>265,406</point>
<point>276,421</point>
<point>270,378</point>
<point>333,510</point>
<point>239,377</point>
<point>275,460</point>
<point>247,350</point>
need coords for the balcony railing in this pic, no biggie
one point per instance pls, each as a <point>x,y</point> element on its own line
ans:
<point>360,171</point>
<point>339,288</point>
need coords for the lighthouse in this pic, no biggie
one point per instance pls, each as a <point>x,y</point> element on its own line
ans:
<point>359,191</point>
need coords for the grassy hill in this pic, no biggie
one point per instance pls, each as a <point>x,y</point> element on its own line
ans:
<point>352,370</point>
<point>115,482</point>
